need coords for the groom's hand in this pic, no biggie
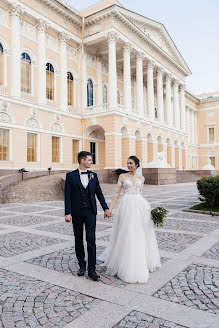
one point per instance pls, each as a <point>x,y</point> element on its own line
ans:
<point>107,214</point>
<point>68,218</point>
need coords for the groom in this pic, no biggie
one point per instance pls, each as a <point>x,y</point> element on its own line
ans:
<point>81,186</point>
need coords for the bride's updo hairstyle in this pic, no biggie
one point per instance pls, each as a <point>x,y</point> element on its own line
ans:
<point>135,159</point>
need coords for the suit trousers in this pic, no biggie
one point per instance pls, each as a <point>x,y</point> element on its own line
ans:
<point>87,218</point>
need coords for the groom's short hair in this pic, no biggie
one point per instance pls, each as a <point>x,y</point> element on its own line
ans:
<point>83,155</point>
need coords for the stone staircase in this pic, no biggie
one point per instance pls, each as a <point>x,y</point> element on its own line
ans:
<point>186,176</point>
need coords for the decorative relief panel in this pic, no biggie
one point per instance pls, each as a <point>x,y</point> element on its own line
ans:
<point>71,52</point>
<point>4,114</point>
<point>28,29</point>
<point>32,122</point>
<point>91,60</point>
<point>51,42</point>
<point>57,125</point>
<point>3,17</point>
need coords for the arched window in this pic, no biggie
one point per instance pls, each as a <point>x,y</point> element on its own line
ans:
<point>104,94</point>
<point>49,81</point>
<point>25,73</point>
<point>90,93</point>
<point>1,65</point>
<point>70,88</point>
<point>118,97</point>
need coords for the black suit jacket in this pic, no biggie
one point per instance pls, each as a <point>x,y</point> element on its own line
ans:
<point>73,188</point>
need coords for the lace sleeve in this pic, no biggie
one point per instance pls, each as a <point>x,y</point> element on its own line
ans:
<point>118,191</point>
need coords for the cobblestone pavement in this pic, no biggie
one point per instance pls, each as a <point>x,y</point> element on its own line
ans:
<point>39,286</point>
<point>137,319</point>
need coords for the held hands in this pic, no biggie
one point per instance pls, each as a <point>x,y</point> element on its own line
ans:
<point>107,214</point>
<point>68,218</point>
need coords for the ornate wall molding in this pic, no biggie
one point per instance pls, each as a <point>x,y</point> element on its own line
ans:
<point>3,17</point>
<point>5,116</point>
<point>27,29</point>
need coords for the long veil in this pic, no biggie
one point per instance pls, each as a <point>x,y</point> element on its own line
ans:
<point>139,170</point>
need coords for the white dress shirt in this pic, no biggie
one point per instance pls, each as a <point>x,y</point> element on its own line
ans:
<point>84,178</point>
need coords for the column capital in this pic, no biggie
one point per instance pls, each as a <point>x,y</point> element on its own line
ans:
<point>182,87</point>
<point>16,10</point>
<point>168,77</point>
<point>139,56</point>
<point>150,64</point>
<point>42,25</point>
<point>112,37</point>
<point>63,37</point>
<point>160,71</point>
<point>127,47</point>
<point>176,82</point>
<point>81,49</point>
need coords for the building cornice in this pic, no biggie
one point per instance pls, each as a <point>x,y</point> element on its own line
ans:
<point>114,12</point>
<point>209,99</point>
<point>192,97</point>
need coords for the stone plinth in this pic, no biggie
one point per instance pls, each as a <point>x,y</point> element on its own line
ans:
<point>159,176</point>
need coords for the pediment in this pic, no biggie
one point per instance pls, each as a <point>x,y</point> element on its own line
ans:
<point>156,32</point>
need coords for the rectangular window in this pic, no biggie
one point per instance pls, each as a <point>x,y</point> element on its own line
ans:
<point>212,161</point>
<point>4,144</point>
<point>55,149</point>
<point>1,67</point>
<point>49,85</point>
<point>93,151</point>
<point>211,135</point>
<point>75,150</point>
<point>31,147</point>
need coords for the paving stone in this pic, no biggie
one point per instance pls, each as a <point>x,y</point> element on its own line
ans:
<point>56,212</point>
<point>190,226</point>
<point>35,314</point>
<point>213,252</point>
<point>202,284</point>
<point>138,319</point>
<point>30,208</point>
<point>15,243</point>
<point>174,242</point>
<point>193,216</point>
<point>25,219</point>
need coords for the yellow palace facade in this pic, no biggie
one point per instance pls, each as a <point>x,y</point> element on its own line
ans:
<point>106,80</point>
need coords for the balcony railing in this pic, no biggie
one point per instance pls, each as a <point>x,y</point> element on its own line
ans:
<point>28,97</point>
<point>100,109</point>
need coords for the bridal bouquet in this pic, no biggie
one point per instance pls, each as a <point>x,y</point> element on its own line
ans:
<point>158,214</point>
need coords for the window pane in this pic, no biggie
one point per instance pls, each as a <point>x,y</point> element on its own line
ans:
<point>93,151</point>
<point>211,135</point>
<point>49,81</point>
<point>1,65</point>
<point>75,150</point>
<point>89,93</point>
<point>55,149</point>
<point>25,73</point>
<point>212,161</point>
<point>4,144</point>
<point>70,88</point>
<point>31,147</point>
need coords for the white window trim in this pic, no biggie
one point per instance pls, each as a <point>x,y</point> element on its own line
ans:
<point>10,145</point>
<point>79,149</point>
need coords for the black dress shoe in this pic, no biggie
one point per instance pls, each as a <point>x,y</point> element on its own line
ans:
<point>81,272</point>
<point>93,275</point>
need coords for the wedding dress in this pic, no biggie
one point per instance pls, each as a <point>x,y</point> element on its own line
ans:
<point>132,251</point>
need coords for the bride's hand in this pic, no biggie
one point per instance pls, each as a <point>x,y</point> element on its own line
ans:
<point>107,214</point>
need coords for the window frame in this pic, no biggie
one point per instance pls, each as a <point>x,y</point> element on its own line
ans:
<point>93,153</point>
<point>60,149</point>
<point>214,134</point>
<point>9,150</point>
<point>88,98</point>
<point>54,89</point>
<point>37,147</point>
<point>30,72</point>
<point>73,89</point>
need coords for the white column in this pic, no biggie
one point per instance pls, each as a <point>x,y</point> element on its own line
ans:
<point>111,38</point>
<point>193,126</point>
<point>63,72</point>
<point>99,82</point>
<point>84,77</point>
<point>160,95</point>
<point>41,62</point>
<point>145,99</point>
<point>15,11</point>
<point>182,107</point>
<point>139,83</point>
<point>168,99</point>
<point>127,92</point>
<point>188,122</point>
<point>196,127</point>
<point>150,89</point>
<point>176,104</point>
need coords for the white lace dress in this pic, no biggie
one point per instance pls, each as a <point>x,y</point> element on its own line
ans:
<point>132,251</point>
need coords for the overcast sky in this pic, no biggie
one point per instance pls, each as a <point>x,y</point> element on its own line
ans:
<point>194,27</point>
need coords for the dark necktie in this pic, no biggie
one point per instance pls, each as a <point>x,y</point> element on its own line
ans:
<point>84,172</point>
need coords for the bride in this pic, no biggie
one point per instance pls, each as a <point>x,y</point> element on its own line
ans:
<point>132,251</point>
